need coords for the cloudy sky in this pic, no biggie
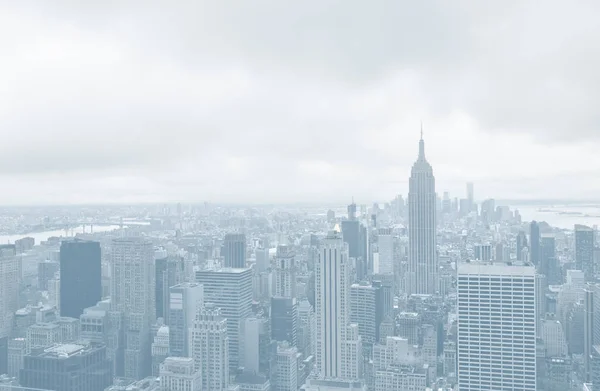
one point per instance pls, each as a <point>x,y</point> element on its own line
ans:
<point>278,101</point>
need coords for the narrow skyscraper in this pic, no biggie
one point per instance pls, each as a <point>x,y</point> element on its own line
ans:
<point>133,293</point>
<point>423,269</point>
<point>584,250</point>
<point>338,343</point>
<point>534,246</point>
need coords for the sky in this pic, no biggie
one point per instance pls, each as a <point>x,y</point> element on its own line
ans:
<point>271,101</point>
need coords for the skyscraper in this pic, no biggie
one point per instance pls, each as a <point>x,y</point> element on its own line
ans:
<point>338,344</point>
<point>178,374</point>
<point>423,265</point>
<point>385,245</point>
<point>209,347</point>
<point>584,250</point>
<point>234,250</point>
<point>521,244</point>
<point>169,272</point>
<point>10,278</point>
<point>534,246</point>
<point>184,301</point>
<point>230,290</point>
<point>133,294</point>
<point>470,195</point>
<point>284,275</point>
<point>80,276</point>
<point>496,327</point>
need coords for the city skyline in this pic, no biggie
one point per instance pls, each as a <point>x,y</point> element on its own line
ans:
<point>70,140</point>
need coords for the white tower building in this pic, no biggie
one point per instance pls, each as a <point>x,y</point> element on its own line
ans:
<point>336,340</point>
<point>423,262</point>
<point>496,327</point>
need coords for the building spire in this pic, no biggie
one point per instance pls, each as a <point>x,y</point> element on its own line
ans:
<point>421,145</point>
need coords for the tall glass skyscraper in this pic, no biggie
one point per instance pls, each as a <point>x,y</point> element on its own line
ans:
<point>80,276</point>
<point>422,263</point>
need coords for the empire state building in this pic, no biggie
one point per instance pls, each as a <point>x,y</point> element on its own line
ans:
<point>423,262</point>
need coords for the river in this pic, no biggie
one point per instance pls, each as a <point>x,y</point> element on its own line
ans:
<point>44,235</point>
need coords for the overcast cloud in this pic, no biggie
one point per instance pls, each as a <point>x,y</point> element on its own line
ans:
<point>278,101</point>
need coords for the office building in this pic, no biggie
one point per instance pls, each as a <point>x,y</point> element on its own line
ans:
<point>409,326</point>
<point>284,319</point>
<point>338,343</point>
<point>10,278</point>
<point>68,367</point>
<point>483,252</point>
<point>521,245</point>
<point>230,290</point>
<point>184,301</point>
<point>584,250</point>
<point>470,194</point>
<point>133,294</point>
<point>169,272</point>
<point>46,271</point>
<point>366,311</point>
<point>496,327</point>
<point>234,250</point>
<point>534,243</point>
<point>548,264</point>
<point>284,273</point>
<point>285,377</point>
<point>263,262</point>
<point>255,345</point>
<point>17,349</point>
<point>385,245</point>
<point>209,348</point>
<point>160,349</point>
<point>422,262</point>
<point>178,374</point>
<point>80,276</point>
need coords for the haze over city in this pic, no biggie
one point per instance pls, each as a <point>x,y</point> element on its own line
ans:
<point>260,102</point>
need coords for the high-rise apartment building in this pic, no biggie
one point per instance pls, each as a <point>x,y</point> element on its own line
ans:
<point>229,289</point>
<point>80,276</point>
<point>133,294</point>
<point>338,344</point>
<point>184,301</point>
<point>422,262</point>
<point>209,348</point>
<point>234,250</point>
<point>496,327</point>
<point>584,250</point>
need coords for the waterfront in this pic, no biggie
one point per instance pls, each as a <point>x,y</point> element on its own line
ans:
<point>44,235</point>
<point>561,216</point>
